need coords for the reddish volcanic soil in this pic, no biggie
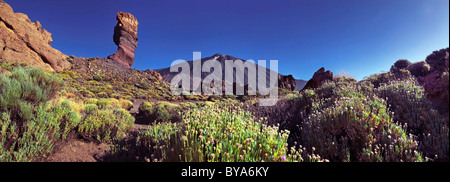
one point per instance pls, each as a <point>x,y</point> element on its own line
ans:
<point>78,151</point>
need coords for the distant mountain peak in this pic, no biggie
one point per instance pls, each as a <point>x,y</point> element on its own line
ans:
<point>221,58</point>
<point>285,82</point>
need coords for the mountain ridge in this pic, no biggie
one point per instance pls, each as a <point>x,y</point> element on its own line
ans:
<point>285,81</point>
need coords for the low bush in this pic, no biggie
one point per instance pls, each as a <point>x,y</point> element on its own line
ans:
<point>205,103</point>
<point>188,105</point>
<point>160,112</point>
<point>104,124</point>
<point>357,129</point>
<point>37,137</point>
<point>215,134</point>
<point>410,106</point>
<point>401,64</point>
<point>98,77</point>
<point>438,59</point>
<point>29,85</point>
<point>91,101</point>
<point>28,129</point>
<point>345,120</point>
<point>103,102</point>
<point>419,68</point>
<point>125,104</point>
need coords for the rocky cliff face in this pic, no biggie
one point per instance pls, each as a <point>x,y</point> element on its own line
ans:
<point>318,78</point>
<point>125,37</point>
<point>24,41</point>
<point>286,82</point>
<point>436,83</point>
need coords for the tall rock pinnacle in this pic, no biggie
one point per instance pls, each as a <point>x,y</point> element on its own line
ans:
<point>125,37</point>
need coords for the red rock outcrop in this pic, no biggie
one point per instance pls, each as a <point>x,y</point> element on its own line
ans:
<point>125,37</point>
<point>318,78</point>
<point>436,85</point>
<point>24,41</point>
<point>286,82</point>
<point>437,82</point>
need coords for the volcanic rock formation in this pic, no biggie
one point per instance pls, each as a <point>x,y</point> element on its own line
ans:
<point>125,37</point>
<point>24,41</point>
<point>286,82</point>
<point>433,75</point>
<point>437,82</point>
<point>318,78</point>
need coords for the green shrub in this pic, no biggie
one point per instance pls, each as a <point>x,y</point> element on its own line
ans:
<point>91,101</point>
<point>103,102</point>
<point>284,91</point>
<point>38,135</point>
<point>143,85</point>
<point>215,134</point>
<point>10,66</point>
<point>28,84</point>
<point>204,104</point>
<point>98,77</point>
<point>188,105</point>
<point>105,124</point>
<point>147,108</point>
<point>167,112</point>
<point>103,95</point>
<point>159,112</point>
<point>309,92</point>
<point>353,127</point>
<point>23,95</point>
<point>68,118</point>
<point>114,102</point>
<point>125,104</point>
<point>90,108</point>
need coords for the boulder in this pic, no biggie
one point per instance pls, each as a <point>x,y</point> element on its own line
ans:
<point>436,85</point>
<point>125,37</point>
<point>319,77</point>
<point>286,82</point>
<point>26,42</point>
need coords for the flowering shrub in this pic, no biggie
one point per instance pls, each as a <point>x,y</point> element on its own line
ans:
<point>411,107</point>
<point>217,133</point>
<point>348,123</point>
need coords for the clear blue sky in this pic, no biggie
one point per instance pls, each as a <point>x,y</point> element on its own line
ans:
<point>355,36</point>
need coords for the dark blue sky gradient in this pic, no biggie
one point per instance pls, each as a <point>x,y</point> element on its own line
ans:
<point>353,36</point>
